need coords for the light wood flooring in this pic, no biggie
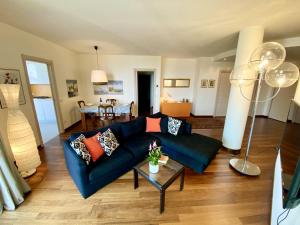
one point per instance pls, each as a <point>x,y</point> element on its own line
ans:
<point>218,196</point>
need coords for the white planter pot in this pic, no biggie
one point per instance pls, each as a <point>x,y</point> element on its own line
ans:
<point>153,168</point>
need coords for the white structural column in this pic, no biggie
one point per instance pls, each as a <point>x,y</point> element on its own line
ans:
<point>238,107</point>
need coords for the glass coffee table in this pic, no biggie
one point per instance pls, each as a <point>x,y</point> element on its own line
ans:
<point>166,175</point>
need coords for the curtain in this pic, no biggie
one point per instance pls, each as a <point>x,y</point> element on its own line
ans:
<point>12,186</point>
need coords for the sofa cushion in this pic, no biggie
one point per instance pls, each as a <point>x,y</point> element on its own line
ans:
<point>164,125</point>
<point>93,146</point>
<point>173,125</point>
<point>133,127</point>
<point>138,145</point>
<point>153,124</point>
<point>108,164</point>
<point>108,142</point>
<point>199,147</point>
<point>79,147</point>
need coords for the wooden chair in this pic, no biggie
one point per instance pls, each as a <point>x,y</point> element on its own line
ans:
<point>81,103</point>
<point>131,110</point>
<point>92,116</point>
<point>106,113</point>
<point>111,101</point>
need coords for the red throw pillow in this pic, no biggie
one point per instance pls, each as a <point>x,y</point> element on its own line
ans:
<point>93,146</point>
<point>153,125</point>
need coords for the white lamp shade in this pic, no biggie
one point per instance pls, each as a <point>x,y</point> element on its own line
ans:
<point>19,132</point>
<point>98,76</point>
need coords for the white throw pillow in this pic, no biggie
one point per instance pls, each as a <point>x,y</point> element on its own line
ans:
<point>108,141</point>
<point>173,125</point>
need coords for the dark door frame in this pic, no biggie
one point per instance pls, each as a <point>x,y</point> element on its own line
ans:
<point>136,99</point>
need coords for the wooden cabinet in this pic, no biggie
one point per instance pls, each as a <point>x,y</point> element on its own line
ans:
<point>176,109</point>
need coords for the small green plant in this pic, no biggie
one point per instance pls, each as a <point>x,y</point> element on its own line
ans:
<point>154,154</point>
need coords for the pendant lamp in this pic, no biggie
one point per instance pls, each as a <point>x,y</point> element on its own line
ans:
<point>98,76</point>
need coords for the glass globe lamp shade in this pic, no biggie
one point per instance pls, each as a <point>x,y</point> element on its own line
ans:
<point>267,56</point>
<point>283,76</point>
<point>243,75</point>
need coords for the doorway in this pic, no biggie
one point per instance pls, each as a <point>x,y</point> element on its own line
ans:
<point>42,96</point>
<point>145,92</point>
<point>222,93</point>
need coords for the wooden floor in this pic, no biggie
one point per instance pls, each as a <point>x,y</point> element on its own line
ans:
<point>219,196</point>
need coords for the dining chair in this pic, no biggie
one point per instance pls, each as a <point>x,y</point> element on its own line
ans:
<point>112,101</point>
<point>106,114</point>
<point>131,110</point>
<point>81,103</point>
<point>92,116</point>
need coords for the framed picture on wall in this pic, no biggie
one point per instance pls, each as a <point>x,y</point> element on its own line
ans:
<point>204,83</point>
<point>11,76</point>
<point>211,83</point>
<point>176,83</point>
<point>72,88</point>
<point>113,87</point>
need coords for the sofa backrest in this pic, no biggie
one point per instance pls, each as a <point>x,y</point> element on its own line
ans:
<point>124,130</point>
<point>115,127</point>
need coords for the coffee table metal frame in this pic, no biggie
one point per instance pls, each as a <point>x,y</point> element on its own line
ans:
<point>161,188</point>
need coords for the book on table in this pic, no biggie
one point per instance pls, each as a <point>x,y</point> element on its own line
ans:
<point>163,159</point>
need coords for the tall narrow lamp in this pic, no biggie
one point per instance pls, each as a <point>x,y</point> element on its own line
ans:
<point>19,132</point>
<point>266,64</point>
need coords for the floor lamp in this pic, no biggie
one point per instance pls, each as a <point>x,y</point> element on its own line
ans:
<point>266,64</point>
<point>19,132</point>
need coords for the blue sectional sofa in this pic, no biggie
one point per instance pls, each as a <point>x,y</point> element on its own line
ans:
<point>192,150</point>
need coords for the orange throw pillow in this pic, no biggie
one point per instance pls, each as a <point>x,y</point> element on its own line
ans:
<point>153,124</point>
<point>93,146</point>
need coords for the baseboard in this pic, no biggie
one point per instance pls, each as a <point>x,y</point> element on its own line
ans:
<point>73,125</point>
<point>202,116</point>
<point>261,116</point>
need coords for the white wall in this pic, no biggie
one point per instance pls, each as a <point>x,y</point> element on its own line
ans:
<point>179,68</point>
<point>13,43</point>
<point>277,206</point>
<point>205,98</point>
<point>120,67</point>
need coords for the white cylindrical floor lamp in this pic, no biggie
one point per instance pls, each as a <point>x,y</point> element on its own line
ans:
<point>19,132</point>
<point>266,64</point>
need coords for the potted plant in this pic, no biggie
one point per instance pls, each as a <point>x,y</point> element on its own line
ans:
<point>153,157</point>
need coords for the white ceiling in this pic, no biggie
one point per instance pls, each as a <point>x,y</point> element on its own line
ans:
<point>177,28</point>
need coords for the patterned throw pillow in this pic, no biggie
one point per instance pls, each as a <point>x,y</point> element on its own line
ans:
<point>173,125</point>
<point>80,149</point>
<point>108,142</point>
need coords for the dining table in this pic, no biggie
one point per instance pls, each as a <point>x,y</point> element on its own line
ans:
<point>118,109</point>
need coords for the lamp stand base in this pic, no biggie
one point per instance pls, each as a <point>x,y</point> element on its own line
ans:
<point>25,174</point>
<point>245,167</point>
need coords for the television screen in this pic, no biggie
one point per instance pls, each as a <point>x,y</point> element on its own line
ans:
<point>290,158</point>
